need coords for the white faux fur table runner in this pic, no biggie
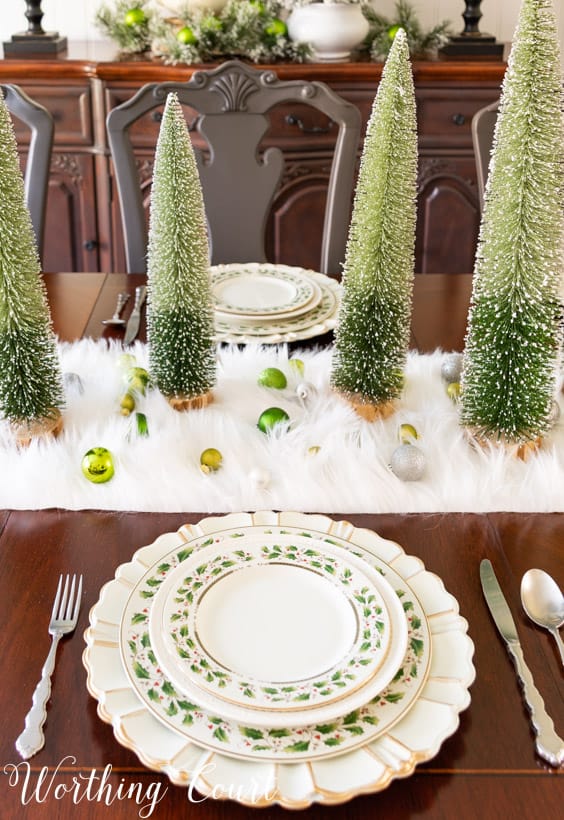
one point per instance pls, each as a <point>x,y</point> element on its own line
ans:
<point>349,473</point>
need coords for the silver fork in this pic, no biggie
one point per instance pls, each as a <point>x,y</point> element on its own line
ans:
<point>63,620</point>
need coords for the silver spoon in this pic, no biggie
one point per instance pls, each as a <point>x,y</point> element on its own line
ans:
<point>544,603</point>
<point>116,318</point>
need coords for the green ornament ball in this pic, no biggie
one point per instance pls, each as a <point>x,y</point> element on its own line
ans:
<point>141,423</point>
<point>258,5</point>
<point>98,465</point>
<point>137,379</point>
<point>135,17</point>
<point>392,31</point>
<point>276,28</point>
<point>271,417</point>
<point>210,460</point>
<point>408,462</point>
<point>272,377</point>
<point>186,36</point>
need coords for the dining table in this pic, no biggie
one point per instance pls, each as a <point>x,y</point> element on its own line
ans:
<point>488,767</point>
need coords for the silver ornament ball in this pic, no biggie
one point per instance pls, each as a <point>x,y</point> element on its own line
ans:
<point>451,368</point>
<point>408,462</point>
<point>73,383</point>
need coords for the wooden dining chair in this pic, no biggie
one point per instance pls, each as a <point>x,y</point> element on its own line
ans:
<point>231,105</point>
<point>483,127</point>
<point>36,178</point>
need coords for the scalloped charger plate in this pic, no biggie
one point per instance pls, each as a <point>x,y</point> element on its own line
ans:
<point>361,752</point>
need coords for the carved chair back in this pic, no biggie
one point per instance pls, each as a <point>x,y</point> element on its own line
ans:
<point>483,127</point>
<point>36,178</point>
<point>231,105</point>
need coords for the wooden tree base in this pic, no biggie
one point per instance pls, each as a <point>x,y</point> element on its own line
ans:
<point>521,450</point>
<point>24,432</point>
<point>367,410</point>
<point>196,403</point>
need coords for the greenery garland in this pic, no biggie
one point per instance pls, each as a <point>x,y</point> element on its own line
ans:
<point>254,29</point>
<point>383,31</point>
<point>242,28</point>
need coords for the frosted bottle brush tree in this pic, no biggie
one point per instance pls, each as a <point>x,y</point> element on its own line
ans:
<point>374,322</point>
<point>511,351</point>
<point>180,325</point>
<point>31,392</point>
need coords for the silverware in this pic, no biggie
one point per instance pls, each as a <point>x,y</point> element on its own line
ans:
<point>134,320</point>
<point>544,603</point>
<point>63,620</point>
<point>116,318</point>
<point>548,745</point>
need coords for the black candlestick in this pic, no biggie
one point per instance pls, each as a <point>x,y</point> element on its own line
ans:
<point>471,42</point>
<point>35,41</point>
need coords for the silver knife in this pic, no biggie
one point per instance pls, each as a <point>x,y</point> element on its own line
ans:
<point>548,745</point>
<point>134,320</point>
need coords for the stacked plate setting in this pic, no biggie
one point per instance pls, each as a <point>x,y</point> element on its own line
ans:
<point>278,658</point>
<point>268,303</point>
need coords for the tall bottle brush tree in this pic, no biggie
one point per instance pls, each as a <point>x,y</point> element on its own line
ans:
<point>31,391</point>
<point>373,332</point>
<point>511,351</point>
<point>180,325</point>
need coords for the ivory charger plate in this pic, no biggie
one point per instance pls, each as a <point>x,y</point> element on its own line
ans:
<point>294,767</point>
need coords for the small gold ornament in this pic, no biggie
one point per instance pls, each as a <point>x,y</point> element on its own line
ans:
<point>407,433</point>
<point>210,460</point>
<point>453,391</point>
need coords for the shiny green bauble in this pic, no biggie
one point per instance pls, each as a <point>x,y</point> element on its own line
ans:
<point>137,379</point>
<point>186,36</point>
<point>210,460</point>
<point>271,417</point>
<point>98,465</point>
<point>392,31</point>
<point>272,377</point>
<point>276,28</point>
<point>135,17</point>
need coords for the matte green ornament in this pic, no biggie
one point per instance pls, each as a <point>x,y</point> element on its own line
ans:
<point>272,377</point>
<point>98,465</point>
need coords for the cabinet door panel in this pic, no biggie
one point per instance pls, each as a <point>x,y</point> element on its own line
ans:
<point>448,216</point>
<point>71,240</point>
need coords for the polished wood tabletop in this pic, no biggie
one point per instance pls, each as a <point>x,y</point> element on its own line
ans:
<point>79,303</point>
<point>488,768</point>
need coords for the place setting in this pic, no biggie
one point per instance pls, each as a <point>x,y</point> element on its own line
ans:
<point>298,659</point>
<point>272,304</point>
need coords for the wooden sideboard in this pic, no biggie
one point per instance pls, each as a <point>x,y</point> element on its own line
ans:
<point>83,230</point>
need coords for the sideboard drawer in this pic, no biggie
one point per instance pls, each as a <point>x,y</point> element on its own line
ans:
<point>445,115</point>
<point>71,108</point>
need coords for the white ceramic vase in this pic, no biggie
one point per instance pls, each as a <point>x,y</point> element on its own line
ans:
<point>332,29</point>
